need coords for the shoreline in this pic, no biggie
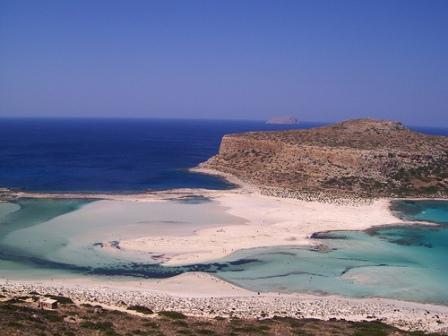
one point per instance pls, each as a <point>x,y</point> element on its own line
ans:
<point>234,302</point>
<point>269,221</point>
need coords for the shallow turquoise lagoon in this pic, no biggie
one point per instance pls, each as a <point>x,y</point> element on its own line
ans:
<point>427,210</point>
<point>52,237</point>
<point>396,263</point>
<point>48,238</point>
<point>405,262</point>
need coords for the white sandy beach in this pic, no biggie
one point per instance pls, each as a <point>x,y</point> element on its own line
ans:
<point>199,294</point>
<point>269,221</point>
<point>255,220</point>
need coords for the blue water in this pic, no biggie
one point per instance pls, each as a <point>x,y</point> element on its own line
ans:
<point>112,155</point>
<point>116,155</point>
<point>48,238</point>
<point>402,262</point>
<point>406,262</point>
<point>427,210</point>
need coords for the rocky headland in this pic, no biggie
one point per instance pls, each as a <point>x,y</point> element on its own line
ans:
<point>361,158</point>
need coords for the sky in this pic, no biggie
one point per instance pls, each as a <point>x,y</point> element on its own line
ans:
<point>317,60</point>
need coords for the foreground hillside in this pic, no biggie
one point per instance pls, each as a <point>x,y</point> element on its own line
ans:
<point>362,158</point>
<point>20,316</point>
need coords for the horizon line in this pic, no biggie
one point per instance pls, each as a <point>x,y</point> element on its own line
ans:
<point>445,127</point>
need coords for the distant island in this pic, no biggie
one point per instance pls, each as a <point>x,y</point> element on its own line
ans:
<point>282,120</point>
<point>356,158</point>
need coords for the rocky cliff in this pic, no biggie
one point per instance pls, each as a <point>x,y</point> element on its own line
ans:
<point>363,158</point>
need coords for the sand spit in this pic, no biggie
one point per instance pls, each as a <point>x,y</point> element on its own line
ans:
<point>269,221</point>
<point>264,221</point>
<point>209,297</point>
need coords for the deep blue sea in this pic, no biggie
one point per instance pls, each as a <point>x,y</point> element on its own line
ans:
<point>113,155</point>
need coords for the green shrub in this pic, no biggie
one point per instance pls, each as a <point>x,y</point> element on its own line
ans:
<point>371,329</point>
<point>60,299</point>
<point>205,332</point>
<point>104,326</point>
<point>52,316</point>
<point>172,315</point>
<point>140,309</point>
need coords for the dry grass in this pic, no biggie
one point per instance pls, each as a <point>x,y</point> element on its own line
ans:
<point>18,317</point>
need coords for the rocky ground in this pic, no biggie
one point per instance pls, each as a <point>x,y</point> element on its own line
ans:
<point>357,158</point>
<point>407,316</point>
<point>20,315</point>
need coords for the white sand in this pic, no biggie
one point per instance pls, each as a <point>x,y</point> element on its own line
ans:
<point>264,221</point>
<point>198,294</point>
<point>269,221</point>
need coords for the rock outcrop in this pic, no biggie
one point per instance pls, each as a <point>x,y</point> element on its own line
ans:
<point>361,158</point>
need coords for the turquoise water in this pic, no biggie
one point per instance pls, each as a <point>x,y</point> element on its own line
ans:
<point>48,238</point>
<point>427,210</point>
<point>356,264</point>
<point>406,262</point>
<point>55,236</point>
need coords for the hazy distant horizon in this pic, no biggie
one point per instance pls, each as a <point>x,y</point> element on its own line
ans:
<point>319,60</point>
<point>317,123</point>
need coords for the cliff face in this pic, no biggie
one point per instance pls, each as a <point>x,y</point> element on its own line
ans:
<point>365,158</point>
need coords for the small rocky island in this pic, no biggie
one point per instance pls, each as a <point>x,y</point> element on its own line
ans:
<point>282,120</point>
<point>356,158</point>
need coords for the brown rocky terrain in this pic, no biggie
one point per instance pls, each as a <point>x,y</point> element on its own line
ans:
<point>355,158</point>
<point>19,316</point>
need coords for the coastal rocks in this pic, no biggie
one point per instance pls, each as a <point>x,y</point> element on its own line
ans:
<point>405,315</point>
<point>352,159</point>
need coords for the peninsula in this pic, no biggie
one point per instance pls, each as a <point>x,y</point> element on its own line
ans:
<point>357,158</point>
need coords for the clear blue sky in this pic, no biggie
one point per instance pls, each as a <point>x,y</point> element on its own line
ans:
<point>318,60</point>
